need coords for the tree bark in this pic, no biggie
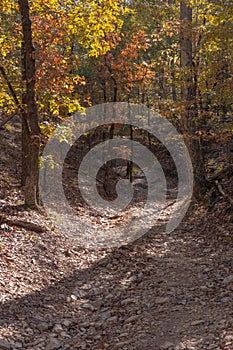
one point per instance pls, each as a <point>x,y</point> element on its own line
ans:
<point>30,129</point>
<point>189,98</point>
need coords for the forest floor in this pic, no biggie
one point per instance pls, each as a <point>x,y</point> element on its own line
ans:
<point>163,291</point>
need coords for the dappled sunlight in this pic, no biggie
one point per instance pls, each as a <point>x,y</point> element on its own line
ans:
<point>116,189</point>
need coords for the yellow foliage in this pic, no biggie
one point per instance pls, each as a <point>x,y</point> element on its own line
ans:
<point>62,29</point>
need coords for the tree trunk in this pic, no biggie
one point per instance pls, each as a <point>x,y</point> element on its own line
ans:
<point>188,96</point>
<point>30,129</point>
<point>129,171</point>
<point>174,95</point>
<point>107,185</point>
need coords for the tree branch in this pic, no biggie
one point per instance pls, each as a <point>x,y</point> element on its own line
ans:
<point>12,91</point>
<point>8,119</point>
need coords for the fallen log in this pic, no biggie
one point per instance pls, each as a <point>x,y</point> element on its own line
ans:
<point>29,226</point>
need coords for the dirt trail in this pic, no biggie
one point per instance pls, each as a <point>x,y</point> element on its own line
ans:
<point>162,292</point>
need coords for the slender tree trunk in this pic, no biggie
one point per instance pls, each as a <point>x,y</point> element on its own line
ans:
<point>30,129</point>
<point>188,96</point>
<point>129,171</point>
<point>114,90</point>
<point>174,95</point>
<point>25,128</point>
<point>107,185</point>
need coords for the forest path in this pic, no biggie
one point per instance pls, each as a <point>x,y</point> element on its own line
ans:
<point>164,291</point>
